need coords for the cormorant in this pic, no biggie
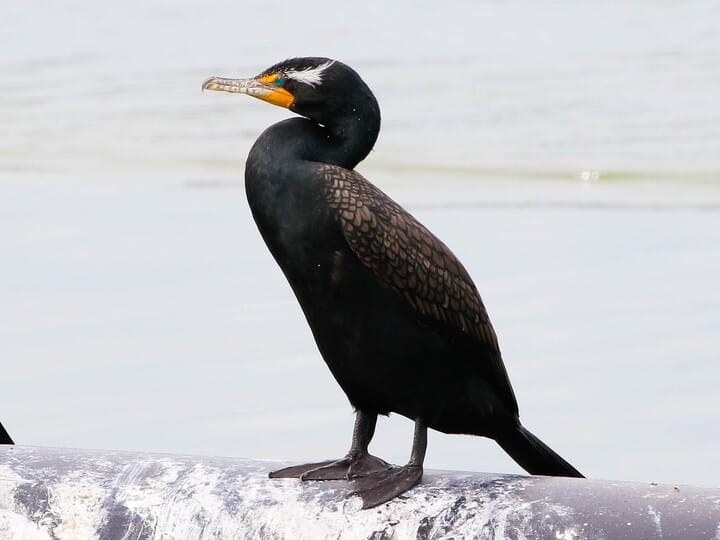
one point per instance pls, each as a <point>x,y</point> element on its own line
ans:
<point>394,313</point>
<point>5,436</point>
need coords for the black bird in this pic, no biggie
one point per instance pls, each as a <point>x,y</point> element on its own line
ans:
<point>5,436</point>
<point>395,315</point>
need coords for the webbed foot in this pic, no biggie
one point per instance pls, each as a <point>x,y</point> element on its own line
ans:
<point>349,467</point>
<point>381,487</point>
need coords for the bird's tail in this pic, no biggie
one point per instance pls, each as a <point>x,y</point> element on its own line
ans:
<point>533,455</point>
<point>4,436</point>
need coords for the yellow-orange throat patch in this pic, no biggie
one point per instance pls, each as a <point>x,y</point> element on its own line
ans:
<point>276,95</point>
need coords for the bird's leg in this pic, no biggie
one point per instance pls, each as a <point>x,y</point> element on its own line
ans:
<point>383,486</point>
<point>357,463</point>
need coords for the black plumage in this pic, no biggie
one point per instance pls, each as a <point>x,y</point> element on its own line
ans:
<point>395,315</point>
<point>5,436</point>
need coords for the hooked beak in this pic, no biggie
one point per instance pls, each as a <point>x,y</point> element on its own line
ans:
<point>252,87</point>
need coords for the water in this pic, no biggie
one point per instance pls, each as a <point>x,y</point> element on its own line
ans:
<point>578,144</point>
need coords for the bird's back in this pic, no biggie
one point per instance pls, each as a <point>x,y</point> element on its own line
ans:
<point>396,316</point>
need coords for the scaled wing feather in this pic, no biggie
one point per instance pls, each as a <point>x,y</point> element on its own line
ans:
<point>404,254</point>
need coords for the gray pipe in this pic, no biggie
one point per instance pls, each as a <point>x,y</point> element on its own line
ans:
<point>57,493</point>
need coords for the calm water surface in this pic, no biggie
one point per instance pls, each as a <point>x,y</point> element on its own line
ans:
<point>569,154</point>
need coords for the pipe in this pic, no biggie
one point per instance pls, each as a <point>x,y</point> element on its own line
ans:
<point>69,494</point>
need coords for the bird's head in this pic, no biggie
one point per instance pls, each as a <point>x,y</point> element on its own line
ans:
<point>318,88</point>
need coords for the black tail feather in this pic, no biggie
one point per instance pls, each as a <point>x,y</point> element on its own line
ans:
<point>4,436</point>
<point>535,456</point>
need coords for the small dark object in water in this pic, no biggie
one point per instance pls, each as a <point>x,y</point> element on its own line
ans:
<point>5,436</point>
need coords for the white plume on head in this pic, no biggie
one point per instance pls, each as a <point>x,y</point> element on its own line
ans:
<point>311,76</point>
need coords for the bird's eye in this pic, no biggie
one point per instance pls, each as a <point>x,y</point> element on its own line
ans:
<point>279,81</point>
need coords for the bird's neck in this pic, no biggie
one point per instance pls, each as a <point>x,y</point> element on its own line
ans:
<point>343,140</point>
<point>349,138</point>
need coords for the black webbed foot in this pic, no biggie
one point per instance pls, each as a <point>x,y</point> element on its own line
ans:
<point>296,471</point>
<point>342,469</point>
<point>381,487</point>
<point>366,465</point>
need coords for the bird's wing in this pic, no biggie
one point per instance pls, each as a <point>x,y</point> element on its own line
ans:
<point>407,256</point>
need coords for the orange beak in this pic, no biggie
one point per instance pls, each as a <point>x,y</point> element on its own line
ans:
<point>258,88</point>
